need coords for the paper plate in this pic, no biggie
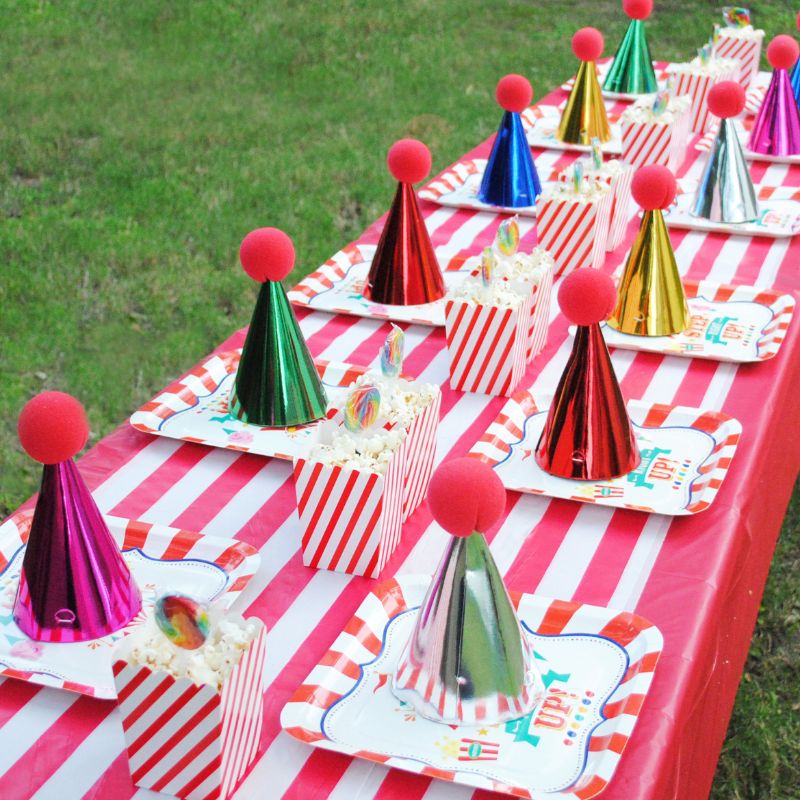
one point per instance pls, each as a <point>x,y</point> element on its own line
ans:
<point>195,409</point>
<point>779,205</point>
<point>743,127</point>
<point>541,124</point>
<point>337,285</point>
<point>729,323</point>
<point>597,665</point>
<point>458,187</point>
<point>686,453</point>
<point>204,567</point>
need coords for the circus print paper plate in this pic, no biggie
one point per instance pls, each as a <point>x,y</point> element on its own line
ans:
<point>597,666</point>
<point>541,124</point>
<point>686,453</point>
<point>458,187</point>
<point>729,323</point>
<point>207,568</point>
<point>195,409</point>
<point>743,127</point>
<point>337,285</point>
<point>779,217</point>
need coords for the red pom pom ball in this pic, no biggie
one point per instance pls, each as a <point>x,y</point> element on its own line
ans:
<point>782,52</point>
<point>638,9</point>
<point>465,495</point>
<point>409,160</point>
<point>267,254</point>
<point>653,187</point>
<point>587,296</point>
<point>52,427</point>
<point>514,93</point>
<point>587,44</point>
<point>726,99</point>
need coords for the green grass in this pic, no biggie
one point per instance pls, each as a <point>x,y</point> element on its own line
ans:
<point>139,141</point>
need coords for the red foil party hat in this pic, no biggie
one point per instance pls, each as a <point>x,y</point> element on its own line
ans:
<point>74,583</point>
<point>404,270</point>
<point>588,434</point>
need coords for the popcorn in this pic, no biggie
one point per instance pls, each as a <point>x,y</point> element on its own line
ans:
<point>531,267</point>
<point>401,400</point>
<point>499,294</point>
<point>371,452</point>
<point>642,111</point>
<point>210,664</point>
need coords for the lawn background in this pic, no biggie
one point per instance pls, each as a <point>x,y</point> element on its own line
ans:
<point>141,140</point>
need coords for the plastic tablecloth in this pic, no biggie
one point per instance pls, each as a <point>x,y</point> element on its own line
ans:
<point>698,578</point>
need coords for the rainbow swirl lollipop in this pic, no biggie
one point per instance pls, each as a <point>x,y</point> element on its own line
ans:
<point>392,353</point>
<point>597,153</point>
<point>660,102</point>
<point>182,620</point>
<point>361,409</point>
<point>508,236</point>
<point>736,17</point>
<point>577,176</point>
<point>487,266</point>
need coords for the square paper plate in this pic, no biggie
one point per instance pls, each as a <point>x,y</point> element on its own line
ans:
<point>729,323</point>
<point>686,453</point>
<point>743,128</point>
<point>779,218</point>
<point>541,124</point>
<point>337,285</point>
<point>195,409</point>
<point>207,568</point>
<point>597,665</point>
<point>458,187</point>
<point>602,70</point>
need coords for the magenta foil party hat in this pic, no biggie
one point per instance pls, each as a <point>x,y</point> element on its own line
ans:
<point>74,583</point>
<point>776,128</point>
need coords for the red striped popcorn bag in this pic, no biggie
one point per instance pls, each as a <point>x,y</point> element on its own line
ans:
<point>487,344</point>
<point>192,740</point>
<point>651,138</point>
<point>695,80</point>
<point>351,507</point>
<point>744,46</point>
<point>573,226</point>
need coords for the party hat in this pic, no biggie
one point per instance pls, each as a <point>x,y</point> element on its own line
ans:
<point>584,115</point>
<point>587,435</point>
<point>277,384</point>
<point>650,296</point>
<point>795,74</point>
<point>404,270</point>
<point>467,660</point>
<point>776,128</point>
<point>74,584</point>
<point>631,71</point>
<point>725,192</point>
<point>510,179</point>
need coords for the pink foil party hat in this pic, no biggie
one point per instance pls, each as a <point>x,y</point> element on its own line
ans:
<point>776,128</point>
<point>74,583</point>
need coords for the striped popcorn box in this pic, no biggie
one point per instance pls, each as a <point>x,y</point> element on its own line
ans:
<point>188,740</point>
<point>420,453</point>
<point>618,175</point>
<point>487,345</point>
<point>574,227</point>
<point>696,80</point>
<point>744,46</point>
<point>539,314</point>
<point>351,519</point>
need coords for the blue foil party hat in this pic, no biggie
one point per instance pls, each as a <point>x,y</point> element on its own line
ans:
<point>510,180</point>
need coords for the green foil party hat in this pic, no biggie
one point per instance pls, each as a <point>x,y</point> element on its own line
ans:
<point>632,71</point>
<point>277,384</point>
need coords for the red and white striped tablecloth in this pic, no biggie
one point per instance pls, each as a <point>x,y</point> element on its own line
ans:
<point>698,578</point>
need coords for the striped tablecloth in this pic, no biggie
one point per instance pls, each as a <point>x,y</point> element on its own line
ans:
<point>698,578</point>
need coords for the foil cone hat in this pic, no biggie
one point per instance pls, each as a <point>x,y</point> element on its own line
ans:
<point>467,660</point>
<point>632,70</point>
<point>584,116</point>
<point>74,584</point>
<point>510,179</point>
<point>404,270</point>
<point>650,296</point>
<point>277,384</point>
<point>725,192</point>
<point>776,128</point>
<point>587,434</point>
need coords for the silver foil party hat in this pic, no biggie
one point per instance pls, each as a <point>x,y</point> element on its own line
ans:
<point>725,192</point>
<point>468,660</point>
